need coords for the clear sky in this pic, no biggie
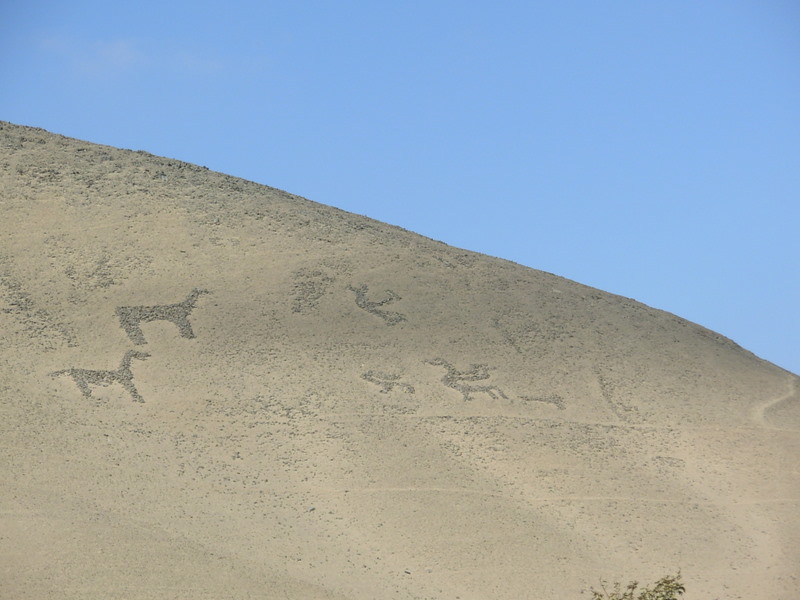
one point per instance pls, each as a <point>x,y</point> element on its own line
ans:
<point>650,149</point>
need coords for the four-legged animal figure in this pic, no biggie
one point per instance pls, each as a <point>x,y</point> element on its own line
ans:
<point>131,317</point>
<point>456,379</point>
<point>83,378</point>
<point>387,381</point>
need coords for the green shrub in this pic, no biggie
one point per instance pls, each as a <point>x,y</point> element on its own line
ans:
<point>666,588</point>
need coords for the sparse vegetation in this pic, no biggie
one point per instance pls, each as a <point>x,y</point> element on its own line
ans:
<point>666,588</point>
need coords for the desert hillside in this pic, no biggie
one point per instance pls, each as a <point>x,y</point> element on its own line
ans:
<point>213,389</point>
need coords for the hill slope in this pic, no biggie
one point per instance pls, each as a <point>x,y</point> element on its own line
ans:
<point>214,389</point>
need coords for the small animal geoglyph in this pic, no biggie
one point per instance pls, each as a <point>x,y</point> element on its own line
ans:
<point>458,380</point>
<point>387,381</point>
<point>131,317</point>
<point>84,378</point>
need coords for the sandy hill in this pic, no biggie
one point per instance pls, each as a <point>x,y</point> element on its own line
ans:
<point>213,389</point>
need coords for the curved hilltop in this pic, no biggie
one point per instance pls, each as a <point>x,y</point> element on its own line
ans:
<point>215,389</point>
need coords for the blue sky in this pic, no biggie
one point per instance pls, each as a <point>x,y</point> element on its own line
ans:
<point>650,149</point>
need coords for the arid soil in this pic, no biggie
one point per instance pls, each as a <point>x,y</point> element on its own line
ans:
<point>213,389</point>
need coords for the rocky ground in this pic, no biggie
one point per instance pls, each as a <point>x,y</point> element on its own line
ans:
<point>214,389</point>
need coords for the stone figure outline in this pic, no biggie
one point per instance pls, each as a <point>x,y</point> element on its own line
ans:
<point>457,380</point>
<point>553,399</point>
<point>387,381</point>
<point>390,317</point>
<point>131,317</point>
<point>84,378</point>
